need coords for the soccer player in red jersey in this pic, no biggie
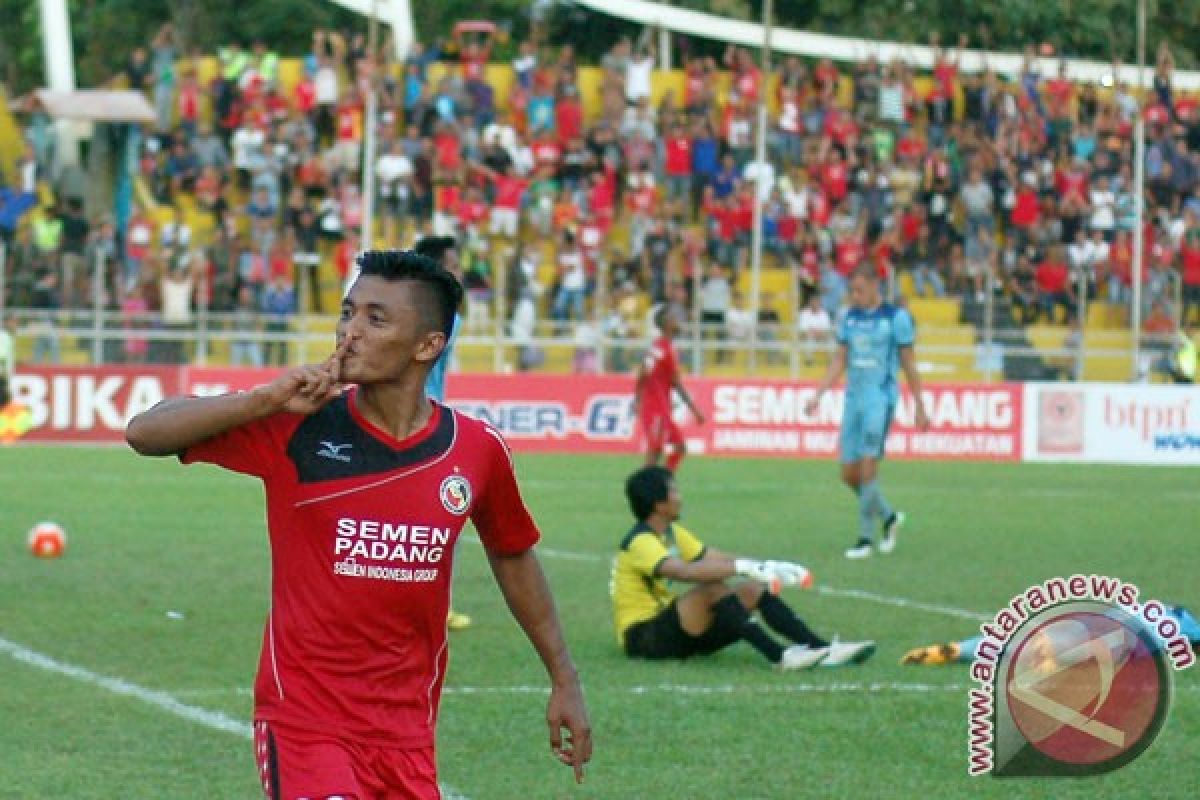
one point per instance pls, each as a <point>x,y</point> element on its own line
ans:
<point>656,377</point>
<point>367,492</point>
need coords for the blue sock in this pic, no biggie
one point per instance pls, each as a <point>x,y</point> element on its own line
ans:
<point>866,512</point>
<point>882,507</point>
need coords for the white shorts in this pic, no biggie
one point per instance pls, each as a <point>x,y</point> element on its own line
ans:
<point>505,222</point>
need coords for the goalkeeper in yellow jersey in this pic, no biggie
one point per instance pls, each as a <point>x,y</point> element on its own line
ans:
<point>654,621</point>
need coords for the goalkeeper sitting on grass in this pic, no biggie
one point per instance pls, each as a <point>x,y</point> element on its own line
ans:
<point>655,622</point>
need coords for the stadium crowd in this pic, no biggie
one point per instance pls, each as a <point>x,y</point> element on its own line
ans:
<point>949,177</point>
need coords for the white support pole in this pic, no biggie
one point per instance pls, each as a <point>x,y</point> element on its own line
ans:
<point>989,323</point>
<point>760,159</point>
<point>59,61</point>
<point>1139,189</point>
<point>664,48</point>
<point>3,278</point>
<point>98,309</point>
<point>369,123</point>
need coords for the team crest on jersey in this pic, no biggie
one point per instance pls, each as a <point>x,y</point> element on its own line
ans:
<point>456,494</point>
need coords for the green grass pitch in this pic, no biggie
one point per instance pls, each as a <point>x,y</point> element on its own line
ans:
<point>148,537</point>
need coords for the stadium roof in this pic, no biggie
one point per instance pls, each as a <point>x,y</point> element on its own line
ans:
<point>94,105</point>
<point>784,40</point>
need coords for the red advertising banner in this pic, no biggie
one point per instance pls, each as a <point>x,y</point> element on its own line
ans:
<point>83,404</point>
<point>547,413</point>
<point>745,417</point>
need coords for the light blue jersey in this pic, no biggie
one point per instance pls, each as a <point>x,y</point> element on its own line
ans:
<point>435,382</point>
<point>873,339</point>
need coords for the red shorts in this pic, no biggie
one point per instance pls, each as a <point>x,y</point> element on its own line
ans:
<point>296,764</point>
<point>660,430</point>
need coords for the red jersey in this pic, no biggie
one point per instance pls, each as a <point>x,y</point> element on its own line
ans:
<point>362,530</point>
<point>678,156</point>
<point>1189,255</point>
<point>349,123</point>
<point>568,120</point>
<point>546,153</point>
<point>847,255</point>
<point>472,212</point>
<point>1052,277</point>
<point>659,368</point>
<point>509,191</point>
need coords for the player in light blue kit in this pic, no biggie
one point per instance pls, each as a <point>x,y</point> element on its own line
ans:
<point>875,342</point>
<point>441,250</point>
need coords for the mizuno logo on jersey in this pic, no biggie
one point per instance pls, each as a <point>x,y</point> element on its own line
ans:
<point>334,451</point>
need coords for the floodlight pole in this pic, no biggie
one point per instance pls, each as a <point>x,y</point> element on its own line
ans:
<point>1139,189</point>
<point>760,160</point>
<point>368,175</point>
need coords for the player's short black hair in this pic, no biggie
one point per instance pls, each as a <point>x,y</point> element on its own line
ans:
<point>667,310</point>
<point>435,247</point>
<point>646,488</point>
<point>442,292</point>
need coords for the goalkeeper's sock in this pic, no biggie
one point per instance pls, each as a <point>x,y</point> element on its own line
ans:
<point>883,508</point>
<point>781,619</point>
<point>731,620</point>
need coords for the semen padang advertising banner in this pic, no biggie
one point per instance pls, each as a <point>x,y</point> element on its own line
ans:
<point>1112,423</point>
<point>555,413</point>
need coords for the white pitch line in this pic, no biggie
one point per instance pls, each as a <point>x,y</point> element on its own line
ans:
<point>161,700</point>
<point>904,602</point>
<point>676,688</point>
<point>832,591</point>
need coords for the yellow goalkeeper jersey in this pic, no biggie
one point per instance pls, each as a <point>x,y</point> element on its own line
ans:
<point>638,591</point>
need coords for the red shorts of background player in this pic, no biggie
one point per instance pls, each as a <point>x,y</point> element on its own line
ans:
<point>296,764</point>
<point>660,430</point>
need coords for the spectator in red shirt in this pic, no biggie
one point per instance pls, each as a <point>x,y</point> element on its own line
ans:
<point>568,117</point>
<point>677,164</point>
<point>1054,285</point>
<point>1189,256</point>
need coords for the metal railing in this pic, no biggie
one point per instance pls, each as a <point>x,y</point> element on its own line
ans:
<point>488,344</point>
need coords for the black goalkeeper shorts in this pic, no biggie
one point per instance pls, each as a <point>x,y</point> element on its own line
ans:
<point>662,636</point>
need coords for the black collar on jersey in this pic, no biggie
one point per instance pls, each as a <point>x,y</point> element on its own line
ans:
<point>642,527</point>
<point>332,445</point>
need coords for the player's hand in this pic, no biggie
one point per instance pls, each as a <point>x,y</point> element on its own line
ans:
<point>304,390</point>
<point>791,574</point>
<point>922,419</point>
<point>758,571</point>
<point>566,710</point>
<point>811,405</point>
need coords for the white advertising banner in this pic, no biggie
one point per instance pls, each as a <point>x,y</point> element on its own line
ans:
<point>1112,423</point>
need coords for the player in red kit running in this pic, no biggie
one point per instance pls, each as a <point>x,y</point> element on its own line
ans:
<point>656,377</point>
<point>367,492</point>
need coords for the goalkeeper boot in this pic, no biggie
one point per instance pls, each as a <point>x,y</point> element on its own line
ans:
<point>891,527</point>
<point>862,549</point>
<point>801,656</point>
<point>843,653</point>
<point>933,654</point>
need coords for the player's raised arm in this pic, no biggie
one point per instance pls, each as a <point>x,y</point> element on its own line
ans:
<point>524,586</point>
<point>177,423</point>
